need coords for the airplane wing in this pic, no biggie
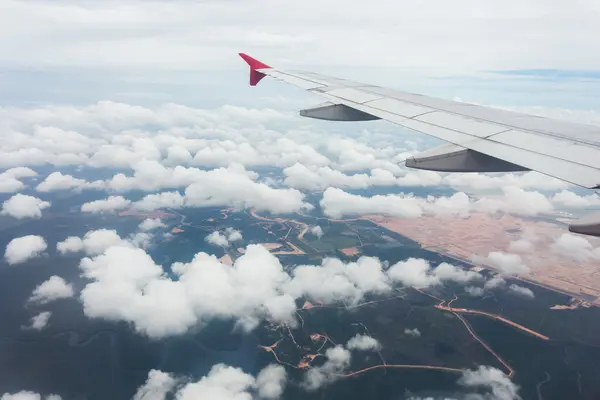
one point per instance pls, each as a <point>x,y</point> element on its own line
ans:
<point>480,139</point>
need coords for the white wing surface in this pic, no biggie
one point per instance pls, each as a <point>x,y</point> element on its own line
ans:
<point>480,139</point>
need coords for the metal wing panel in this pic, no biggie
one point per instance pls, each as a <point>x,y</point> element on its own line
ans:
<point>567,151</point>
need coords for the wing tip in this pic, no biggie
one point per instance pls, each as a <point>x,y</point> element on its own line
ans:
<point>253,62</point>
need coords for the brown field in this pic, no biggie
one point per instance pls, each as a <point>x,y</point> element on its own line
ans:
<point>482,233</point>
<point>350,251</point>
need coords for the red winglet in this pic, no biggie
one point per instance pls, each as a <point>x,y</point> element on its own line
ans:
<point>254,64</point>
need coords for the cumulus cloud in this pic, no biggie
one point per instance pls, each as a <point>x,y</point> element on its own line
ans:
<point>96,241</point>
<point>569,199</point>
<point>337,360</point>
<point>157,386</point>
<point>24,248</point>
<point>418,272</point>
<point>10,179</point>
<point>52,289</point>
<point>498,384</point>
<point>110,204</point>
<point>217,238</point>
<point>27,395</point>
<point>575,247</point>
<point>23,206</point>
<point>363,342</point>
<point>224,239</point>
<point>256,287</point>
<point>336,203</point>
<point>317,231</point>
<point>322,177</point>
<point>506,263</point>
<point>412,332</point>
<point>57,181</point>
<point>222,382</point>
<point>271,381</point>
<point>521,246</point>
<point>516,201</point>
<point>476,182</point>
<point>150,224</point>
<point>40,321</point>
<point>521,291</point>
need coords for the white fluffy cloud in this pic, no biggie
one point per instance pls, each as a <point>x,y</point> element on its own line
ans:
<point>23,206</point>
<point>418,272</point>
<point>363,342</point>
<point>217,238</point>
<point>338,359</point>
<point>224,239</point>
<point>10,179</point>
<point>223,382</point>
<point>521,291</point>
<point>412,332</point>
<point>57,181</point>
<point>569,199</point>
<point>317,231</point>
<point>40,321</point>
<point>95,242</point>
<point>27,395</point>
<point>256,287</point>
<point>150,224</point>
<point>506,263</point>
<point>52,289</point>
<point>498,384</point>
<point>336,203</point>
<point>575,247</point>
<point>24,248</point>
<point>110,204</point>
<point>157,386</point>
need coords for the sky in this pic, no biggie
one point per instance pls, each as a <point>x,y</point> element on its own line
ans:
<point>154,93</point>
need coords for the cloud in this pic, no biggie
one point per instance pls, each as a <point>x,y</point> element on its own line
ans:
<point>271,382</point>
<point>150,224</point>
<point>9,179</point>
<point>336,203</point>
<point>284,40</point>
<point>57,181</point>
<point>27,395</point>
<point>322,177</point>
<point>222,382</point>
<point>317,231</point>
<point>40,321</point>
<point>515,201</point>
<point>24,248</point>
<point>224,240</point>
<point>476,182</point>
<point>521,246</point>
<point>337,360</point>
<point>22,206</point>
<point>110,204</point>
<point>506,263</point>
<point>575,247</point>
<point>204,289</point>
<point>217,238</point>
<point>363,342</point>
<point>52,289</point>
<point>493,380</point>
<point>412,332</point>
<point>521,291</point>
<point>417,272</point>
<point>97,241</point>
<point>569,199</point>
<point>157,386</point>
<point>335,280</point>
<point>233,235</point>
